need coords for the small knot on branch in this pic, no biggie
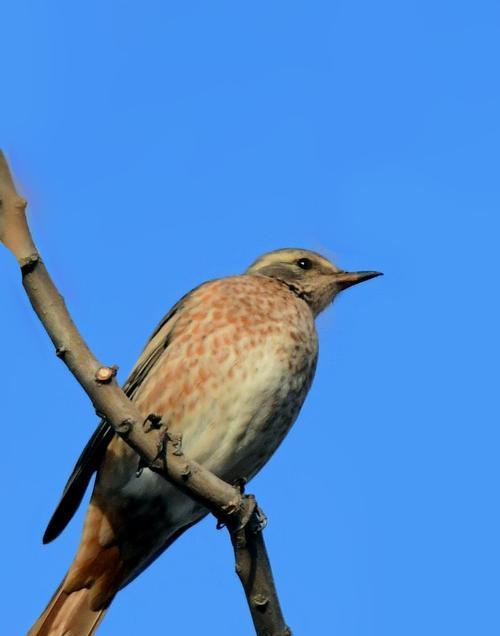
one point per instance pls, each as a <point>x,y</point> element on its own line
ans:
<point>124,427</point>
<point>20,203</point>
<point>176,441</point>
<point>103,375</point>
<point>61,351</point>
<point>260,601</point>
<point>29,263</point>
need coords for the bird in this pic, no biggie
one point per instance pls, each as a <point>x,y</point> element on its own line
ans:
<point>228,367</point>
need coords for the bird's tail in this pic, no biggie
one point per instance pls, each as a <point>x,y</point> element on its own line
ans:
<point>92,581</point>
<point>68,613</point>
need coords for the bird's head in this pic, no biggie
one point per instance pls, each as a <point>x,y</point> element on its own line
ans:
<point>309,275</point>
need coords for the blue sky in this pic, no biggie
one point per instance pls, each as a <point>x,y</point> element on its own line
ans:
<point>171,143</point>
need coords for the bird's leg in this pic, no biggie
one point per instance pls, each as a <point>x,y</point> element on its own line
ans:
<point>240,483</point>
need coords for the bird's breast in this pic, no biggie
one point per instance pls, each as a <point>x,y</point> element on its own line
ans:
<point>237,369</point>
<point>239,362</point>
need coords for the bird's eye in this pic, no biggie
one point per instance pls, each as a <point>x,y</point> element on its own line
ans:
<point>304,263</point>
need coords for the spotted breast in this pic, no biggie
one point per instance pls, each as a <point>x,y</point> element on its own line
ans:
<point>238,359</point>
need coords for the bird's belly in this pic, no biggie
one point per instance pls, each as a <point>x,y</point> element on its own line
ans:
<point>248,418</point>
<point>235,426</point>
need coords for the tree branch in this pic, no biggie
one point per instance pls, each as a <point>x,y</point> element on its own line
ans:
<point>150,439</point>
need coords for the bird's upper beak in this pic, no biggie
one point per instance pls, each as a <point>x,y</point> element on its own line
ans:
<point>347,279</point>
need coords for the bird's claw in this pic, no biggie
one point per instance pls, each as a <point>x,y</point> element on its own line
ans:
<point>252,517</point>
<point>249,507</point>
<point>152,422</point>
<point>160,460</point>
<point>238,512</point>
<point>260,519</point>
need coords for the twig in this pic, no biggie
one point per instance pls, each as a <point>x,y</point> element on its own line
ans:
<point>153,444</point>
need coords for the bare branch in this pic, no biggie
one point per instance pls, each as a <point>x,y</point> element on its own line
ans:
<point>157,448</point>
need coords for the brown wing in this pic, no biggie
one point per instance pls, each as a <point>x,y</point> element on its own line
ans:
<point>94,451</point>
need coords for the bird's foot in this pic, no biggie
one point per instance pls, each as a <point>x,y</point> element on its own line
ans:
<point>260,519</point>
<point>238,514</point>
<point>152,422</point>
<point>251,517</point>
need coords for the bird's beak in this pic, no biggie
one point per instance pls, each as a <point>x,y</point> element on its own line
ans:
<point>347,279</point>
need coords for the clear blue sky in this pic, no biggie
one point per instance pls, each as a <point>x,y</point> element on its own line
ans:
<point>163,144</point>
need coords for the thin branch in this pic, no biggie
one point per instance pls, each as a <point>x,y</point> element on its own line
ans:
<point>150,439</point>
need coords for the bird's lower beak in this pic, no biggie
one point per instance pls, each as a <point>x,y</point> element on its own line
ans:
<point>347,279</point>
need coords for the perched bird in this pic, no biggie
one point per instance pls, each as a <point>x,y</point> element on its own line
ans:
<point>228,367</point>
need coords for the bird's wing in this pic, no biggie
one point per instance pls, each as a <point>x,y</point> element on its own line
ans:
<point>94,451</point>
